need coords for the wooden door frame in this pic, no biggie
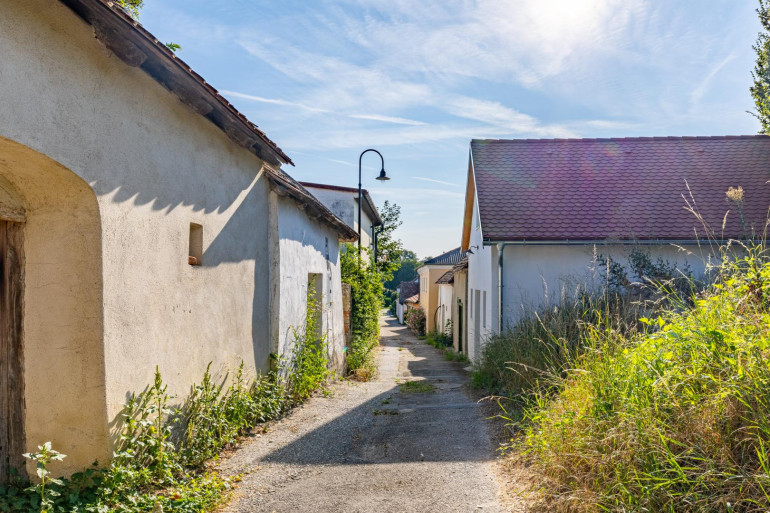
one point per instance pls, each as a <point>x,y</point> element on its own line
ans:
<point>13,432</point>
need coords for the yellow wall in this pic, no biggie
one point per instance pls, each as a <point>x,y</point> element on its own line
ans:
<point>429,291</point>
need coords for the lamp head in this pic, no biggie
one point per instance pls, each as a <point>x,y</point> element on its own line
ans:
<point>382,176</point>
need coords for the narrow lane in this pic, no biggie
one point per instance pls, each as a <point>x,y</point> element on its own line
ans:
<point>377,446</point>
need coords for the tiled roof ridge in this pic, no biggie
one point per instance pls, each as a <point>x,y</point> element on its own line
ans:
<point>614,139</point>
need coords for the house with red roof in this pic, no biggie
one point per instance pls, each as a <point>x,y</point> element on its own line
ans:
<point>538,211</point>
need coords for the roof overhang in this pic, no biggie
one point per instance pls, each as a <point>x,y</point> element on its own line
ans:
<point>138,48</point>
<point>470,198</point>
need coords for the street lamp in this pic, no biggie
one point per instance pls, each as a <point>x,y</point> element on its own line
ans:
<point>382,177</point>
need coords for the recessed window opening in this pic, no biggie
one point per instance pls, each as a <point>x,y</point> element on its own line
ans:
<point>196,244</point>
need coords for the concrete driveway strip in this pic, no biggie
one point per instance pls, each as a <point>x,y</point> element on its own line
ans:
<point>374,447</point>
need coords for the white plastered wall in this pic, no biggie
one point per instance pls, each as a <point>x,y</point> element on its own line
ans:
<point>444,306</point>
<point>306,246</point>
<point>482,278</point>
<point>534,275</point>
<point>154,167</point>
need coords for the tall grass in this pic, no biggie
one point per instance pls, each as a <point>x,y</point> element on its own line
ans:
<point>537,351</point>
<point>676,418</point>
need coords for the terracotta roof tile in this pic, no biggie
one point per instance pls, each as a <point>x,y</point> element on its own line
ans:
<point>633,188</point>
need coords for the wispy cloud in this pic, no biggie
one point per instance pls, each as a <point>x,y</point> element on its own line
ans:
<point>425,179</point>
<point>273,101</point>
<point>387,119</point>
<point>705,84</point>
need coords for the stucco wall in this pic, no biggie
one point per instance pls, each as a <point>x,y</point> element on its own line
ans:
<point>444,306</point>
<point>536,275</point>
<point>345,205</point>
<point>154,167</point>
<point>307,247</point>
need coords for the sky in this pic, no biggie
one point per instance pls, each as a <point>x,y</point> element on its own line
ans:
<point>418,79</point>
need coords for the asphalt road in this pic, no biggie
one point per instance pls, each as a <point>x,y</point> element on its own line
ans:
<point>375,447</point>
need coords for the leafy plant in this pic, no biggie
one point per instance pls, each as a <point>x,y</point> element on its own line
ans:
<point>45,455</point>
<point>671,418</point>
<point>366,298</point>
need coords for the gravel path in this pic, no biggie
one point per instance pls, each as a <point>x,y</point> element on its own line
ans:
<point>373,447</point>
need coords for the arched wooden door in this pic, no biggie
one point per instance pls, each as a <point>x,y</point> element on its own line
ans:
<point>12,443</point>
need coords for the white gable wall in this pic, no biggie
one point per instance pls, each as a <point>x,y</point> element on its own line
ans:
<point>306,247</point>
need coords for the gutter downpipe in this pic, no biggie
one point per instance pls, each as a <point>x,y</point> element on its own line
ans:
<point>500,259</point>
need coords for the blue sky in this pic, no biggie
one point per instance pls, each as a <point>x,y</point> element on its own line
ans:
<point>417,79</point>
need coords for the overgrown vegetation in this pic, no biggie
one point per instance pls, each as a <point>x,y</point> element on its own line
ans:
<point>366,298</point>
<point>160,463</point>
<point>674,418</point>
<point>545,342</point>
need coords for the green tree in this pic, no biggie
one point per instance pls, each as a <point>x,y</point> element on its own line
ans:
<point>131,6</point>
<point>406,270</point>
<point>388,247</point>
<point>760,91</point>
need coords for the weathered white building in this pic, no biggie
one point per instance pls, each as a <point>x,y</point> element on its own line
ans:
<point>343,201</point>
<point>143,222</point>
<point>538,211</point>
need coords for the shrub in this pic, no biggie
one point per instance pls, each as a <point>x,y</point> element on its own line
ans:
<point>415,320</point>
<point>672,419</point>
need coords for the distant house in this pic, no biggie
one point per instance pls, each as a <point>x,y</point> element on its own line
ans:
<point>343,201</point>
<point>408,294</point>
<point>459,300</point>
<point>536,211</point>
<point>428,274</point>
<point>144,222</point>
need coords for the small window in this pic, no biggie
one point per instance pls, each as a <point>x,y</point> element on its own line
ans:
<point>196,245</point>
<point>484,304</point>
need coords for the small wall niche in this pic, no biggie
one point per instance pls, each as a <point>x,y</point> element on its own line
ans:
<point>196,244</point>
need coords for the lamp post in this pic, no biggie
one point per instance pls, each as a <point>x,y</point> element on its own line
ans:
<point>382,177</point>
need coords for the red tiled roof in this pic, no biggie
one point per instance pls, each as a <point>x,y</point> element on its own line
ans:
<point>596,189</point>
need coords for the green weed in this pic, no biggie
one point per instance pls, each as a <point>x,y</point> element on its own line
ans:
<point>671,418</point>
<point>417,387</point>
